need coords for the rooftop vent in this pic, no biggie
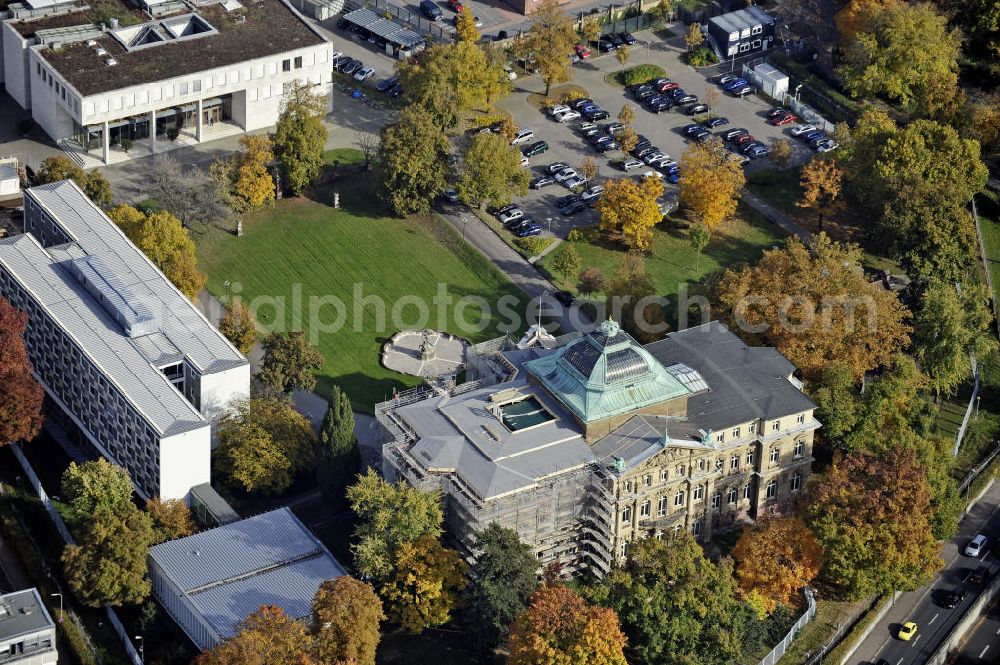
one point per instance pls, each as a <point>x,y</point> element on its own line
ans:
<point>186,26</point>
<point>113,22</point>
<point>100,51</point>
<point>132,314</point>
<point>91,42</point>
<point>112,62</point>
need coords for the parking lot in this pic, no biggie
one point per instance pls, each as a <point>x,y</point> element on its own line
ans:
<point>664,129</point>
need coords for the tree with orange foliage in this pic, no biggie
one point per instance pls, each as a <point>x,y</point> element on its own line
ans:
<point>20,394</point>
<point>560,628</point>
<point>266,637</point>
<point>775,558</point>
<point>853,18</point>
<point>345,621</point>
<point>821,183</point>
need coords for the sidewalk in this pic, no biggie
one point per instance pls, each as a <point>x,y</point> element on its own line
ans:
<point>775,215</point>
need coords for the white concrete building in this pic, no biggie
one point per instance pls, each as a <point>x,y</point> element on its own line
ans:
<point>155,72</point>
<point>133,369</point>
<point>27,633</point>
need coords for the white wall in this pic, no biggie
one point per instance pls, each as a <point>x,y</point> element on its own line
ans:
<point>220,390</point>
<point>48,108</point>
<point>15,64</point>
<point>185,461</point>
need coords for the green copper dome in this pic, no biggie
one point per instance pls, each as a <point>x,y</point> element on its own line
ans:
<point>605,373</point>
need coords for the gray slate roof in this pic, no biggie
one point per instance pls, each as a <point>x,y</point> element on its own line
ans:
<point>742,19</point>
<point>22,613</point>
<point>745,382</point>
<point>228,572</point>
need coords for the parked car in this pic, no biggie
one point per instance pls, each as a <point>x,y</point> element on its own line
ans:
<point>758,152</point>
<point>524,161</point>
<point>717,121</point>
<point>515,224</point>
<point>976,546</point>
<point>799,130</point>
<point>733,85</point>
<point>450,195</point>
<point>591,133</point>
<point>496,212</point>
<point>582,51</point>
<point>644,94</point>
<point>574,208</point>
<point>604,46</point>
<point>592,192</point>
<point>523,136</point>
<point>600,137</point>
<point>385,84</point>
<point>668,86</point>
<point>455,5</point>
<point>744,139</point>
<point>614,128</point>
<point>606,147</point>
<point>659,105</point>
<point>733,134</point>
<point>510,215</point>
<point>723,79</point>
<point>645,150</point>
<point>809,136</point>
<point>629,164</point>
<point>817,141</point>
<point>350,66</point>
<point>534,149</point>
<point>695,109</point>
<point>781,120</point>
<point>743,91</point>
<point>979,575</point>
<point>626,38</point>
<point>578,104</point>
<point>567,115</point>
<point>430,10</point>
<point>954,598</point>
<point>685,99</point>
<point>574,181</point>
<point>364,74</point>
<point>542,181</point>
<point>528,230</point>
<point>677,92</point>
<point>747,147</point>
<point>777,111</point>
<point>564,175</point>
<point>565,298</point>
<point>396,90</point>
<point>556,167</point>
<point>907,631</point>
<point>614,39</point>
<point>594,114</point>
<point>669,166</point>
<point>564,201</point>
<point>584,126</point>
<point>827,145</point>
<point>689,130</point>
<point>558,108</point>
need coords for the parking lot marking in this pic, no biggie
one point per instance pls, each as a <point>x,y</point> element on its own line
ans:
<point>934,619</point>
<point>915,640</point>
<point>985,649</point>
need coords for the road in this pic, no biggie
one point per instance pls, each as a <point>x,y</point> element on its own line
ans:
<point>983,644</point>
<point>934,621</point>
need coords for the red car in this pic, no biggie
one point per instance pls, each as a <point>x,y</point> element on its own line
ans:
<point>455,5</point>
<point>582,51</point>
<point>743,139</point>
<point>780,120</point>
<point>667,87</point>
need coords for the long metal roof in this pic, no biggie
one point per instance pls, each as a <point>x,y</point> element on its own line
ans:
<point>742,19</point>
<point>228,572</point>
<point>384,28</point>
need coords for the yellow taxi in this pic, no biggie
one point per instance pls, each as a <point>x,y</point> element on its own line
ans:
<point>907,631</point>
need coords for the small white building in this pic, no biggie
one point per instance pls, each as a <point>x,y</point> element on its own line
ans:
<point>772,81</point>
<point>157,71</point>
<point>10,179</point>
<point>131,368</point>
<point>211,581</point>
<point>27,634</point>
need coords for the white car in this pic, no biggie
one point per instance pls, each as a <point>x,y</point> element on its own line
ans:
<point>565,174</point>
<point>524,161</point>
<point>630,164</point>
<point>976,546</point>
<point>363,74</point>
<point>523,136</point>
<point>558,108</point>
<point>573,181</point>
<point>655,175</point>
<point>556,167</point>
<point>827,146</point>
<point>511,215</point>
<point>592,193</point>
<point>669,164</point>
<point>566,115</point>
<point>799,130</point>
<point>511,74</point>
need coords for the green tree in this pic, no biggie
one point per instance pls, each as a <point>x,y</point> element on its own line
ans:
<point>171,519</point>
<point>865,505</point>
<point>345,621</point>
<point>165,241</point>
<point>677,606</point>
<point>631,208</point>
<point>628,297</point>
<point>566,262</point>
<point>108,566</point>
<point>550,39</point>
<point>412,161</point>
<point>93,486</point>
<point>290,362</point>
<point>426,584</point>
<point>493,174</point>
<point>299,138</point>
<point>93,183</point>
<point>836,395</point>
<point>560,628</point>
<point>337,453</point>
<point>389,515</point>
<point>239,326</point>
<point>448,80</point>
<point>251,460</point>
<point>504,578</point>
<point>948,327</point>
<point>700,237</point>
<point>20,394</point>
<point>881,59</point>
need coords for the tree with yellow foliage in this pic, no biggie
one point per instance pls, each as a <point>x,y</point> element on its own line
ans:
<point>465,28</point>
<point>694,37</point>
<point>266,637</point>
<point>171,519</point>
<point>711,182</point>
<point>163,239</point>
<point>426,584</point>
<point>775,558</point>
<point>631,209</point>
<point>821,180</point>
<point>854,16</point>
<point>239,326</point>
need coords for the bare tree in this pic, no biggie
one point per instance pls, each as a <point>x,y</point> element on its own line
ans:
<point>190,194</point>
<point>368,144</point>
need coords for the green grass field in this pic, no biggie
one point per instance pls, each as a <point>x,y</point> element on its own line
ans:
<point>991,242</point>
<point>672,261</point>
<point>302,249</point>
<point>780,188</point>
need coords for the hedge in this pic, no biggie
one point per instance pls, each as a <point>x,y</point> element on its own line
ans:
<point>640,74</point>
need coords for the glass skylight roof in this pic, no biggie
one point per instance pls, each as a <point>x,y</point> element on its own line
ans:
<point>691,379</point>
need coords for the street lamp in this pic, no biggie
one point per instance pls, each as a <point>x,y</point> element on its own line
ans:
<point>60,605</point>
<point>549,220</point>
<point>797,89</point>
<point>465,222</point>
<point>227,284</point>
<point>142,648</point>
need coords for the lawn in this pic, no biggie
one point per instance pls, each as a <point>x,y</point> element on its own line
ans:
<point>780,188</point>
<point>991,243</point>
<point>362,264</point>
<point>831,615</point>
<point>672,262</point>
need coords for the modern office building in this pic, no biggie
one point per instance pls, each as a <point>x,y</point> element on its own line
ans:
<point>583,444</point>
<point>211,581</point>
<point>742,32</point>
<point>128,365</point>
<point>99,76</point>
<point>27,633</point>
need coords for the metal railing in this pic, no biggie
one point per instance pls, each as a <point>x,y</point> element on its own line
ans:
<point>781,647</point>
<point>968,410</point>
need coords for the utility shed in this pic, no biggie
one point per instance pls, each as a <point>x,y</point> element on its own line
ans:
<point>772,81</point>
<point>211,581</point>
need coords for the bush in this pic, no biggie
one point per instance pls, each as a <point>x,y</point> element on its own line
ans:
<point>702,57</point>
<point>126,145</point>
<point>640,74</point>
<point>583,234</point>
<point>572,95</point>
<point>534,245</point>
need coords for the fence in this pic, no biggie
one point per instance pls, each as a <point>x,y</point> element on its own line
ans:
<point>986,266</point>
<point>968,410</point>
<point>971,476</point>
<point>779,650</point>
<point>804,111</point>
<point>68,539</point>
